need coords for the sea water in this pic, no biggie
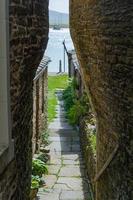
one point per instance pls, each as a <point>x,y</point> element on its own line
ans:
<point>55,49</point>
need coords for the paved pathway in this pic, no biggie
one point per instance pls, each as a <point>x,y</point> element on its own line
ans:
<point>67,179</point>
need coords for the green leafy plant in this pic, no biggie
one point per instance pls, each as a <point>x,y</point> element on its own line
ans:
<point>39,168</point>
<point>45,138</point>
<point>35,182</point>
<point>75,112</point>
<point>43,157</point>
<point>75,107</point>
<point>69,96</point>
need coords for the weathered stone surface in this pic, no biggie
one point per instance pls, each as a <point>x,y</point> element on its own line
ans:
<point>62,132</point>
<point>68,167</point>
<point>87,149</point>
<point>50,180</point>
<point>71,162</point>
<point>74,195</point>
<point>48,195</point>
<point>28,39</point>
<point>72,156</point>
<point>76,147</point>
<point>60,139</point>
<point>60,125</point>
<point>60,146</point>
<point>74,183</point>
<point>8,182</point>
<point>54,169</point>
<point>40,89</point>
<point>61,186</point>
<point>70,171</point>
<point>102,32</point>
<point>54,160</point>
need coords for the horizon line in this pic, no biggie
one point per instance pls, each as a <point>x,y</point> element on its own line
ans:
<point>59,11</point>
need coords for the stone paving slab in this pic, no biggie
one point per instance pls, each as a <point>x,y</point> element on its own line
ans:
<point>60,125</point>
<point>54,169</point>
<point>48,194</point>
<point>76,147</point>
<point>75,140</point>
<point>74,195</point>
<point>62,133</point>
<point>72,171</point>
<point>74,183</point>
<point>61,186</point>
<point>73,162</point>
<point>50,180</point>
<point>60,146</point>
<point>54,161</point>
<point>67,176</point>
<point>62,120</point>
<point>72,156</point>
<point>60,139</point>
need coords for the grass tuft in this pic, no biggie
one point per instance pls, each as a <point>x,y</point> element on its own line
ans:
<point>55,82</point>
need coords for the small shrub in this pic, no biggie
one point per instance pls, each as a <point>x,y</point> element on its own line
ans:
<point>68,97</point>
<point>43,157</point>
<point>75,112</point>
<point>45,138</point>
<point>74,107</point>
<point>35,182</point>
<point>39,168</point>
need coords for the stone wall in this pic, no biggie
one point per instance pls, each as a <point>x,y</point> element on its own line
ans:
<point>102,32</point>
<point>86,131</point>
<point>28,40</point>
<point>86,128</point>
<point>40,92</point>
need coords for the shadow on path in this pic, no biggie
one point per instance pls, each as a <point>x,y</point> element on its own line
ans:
<point>67,179</point>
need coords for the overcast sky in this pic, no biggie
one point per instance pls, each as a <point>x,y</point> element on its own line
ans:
<point>59,5</point>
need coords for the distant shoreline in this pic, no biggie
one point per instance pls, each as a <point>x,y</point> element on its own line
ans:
<point>61,26</point>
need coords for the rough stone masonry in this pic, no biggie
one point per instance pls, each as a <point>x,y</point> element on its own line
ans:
<point>102,32</point>
<point>28,40</point>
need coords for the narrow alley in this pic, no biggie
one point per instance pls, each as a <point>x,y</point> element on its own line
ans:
<point>67,179</point>
<point>66,100</point>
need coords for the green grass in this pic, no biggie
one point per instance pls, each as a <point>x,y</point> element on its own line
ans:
<point>55,82</point>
